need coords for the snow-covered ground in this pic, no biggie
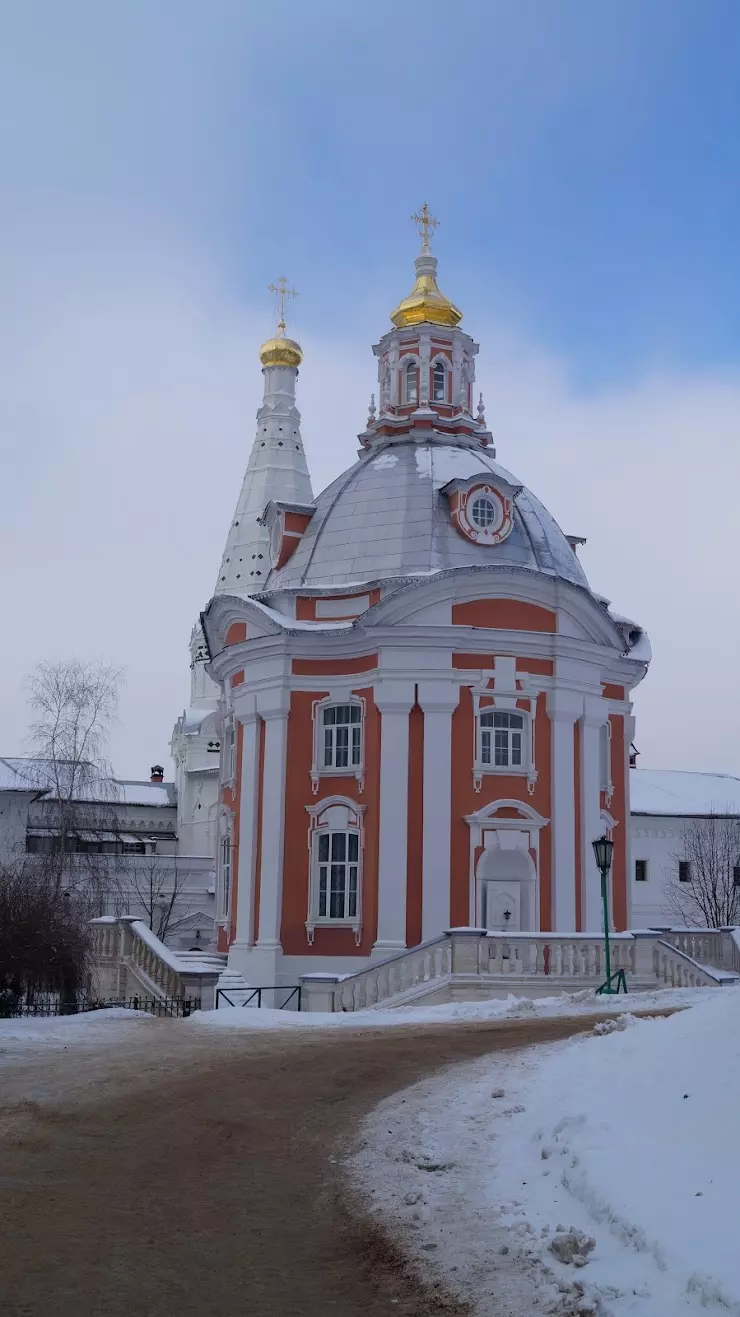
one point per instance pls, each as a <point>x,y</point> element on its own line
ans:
<point>90,1029</point>
<point>618,1148</point>
<point>508,1008</point>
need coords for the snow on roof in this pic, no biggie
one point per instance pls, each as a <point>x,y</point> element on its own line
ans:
<point>19,775</point>
<point>39,775</point>
<point>671,792</point>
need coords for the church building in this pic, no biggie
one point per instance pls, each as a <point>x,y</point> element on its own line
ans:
<point>411,711</point>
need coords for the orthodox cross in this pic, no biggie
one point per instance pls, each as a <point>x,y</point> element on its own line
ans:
<point>281,291</point>
<point>425,221</point>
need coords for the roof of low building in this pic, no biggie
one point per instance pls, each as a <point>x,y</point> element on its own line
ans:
<point>39,775</point>
<point>677,794</point>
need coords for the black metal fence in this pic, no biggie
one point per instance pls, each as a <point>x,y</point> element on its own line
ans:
<point>14,1007</point>
<point>257,997</point>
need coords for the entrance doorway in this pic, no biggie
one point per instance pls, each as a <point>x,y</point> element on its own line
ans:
<point>506,886</point>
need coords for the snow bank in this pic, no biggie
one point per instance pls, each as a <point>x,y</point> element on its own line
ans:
<point>617,1151</point>
<point>89,1027</point>
<point>511,1007</point>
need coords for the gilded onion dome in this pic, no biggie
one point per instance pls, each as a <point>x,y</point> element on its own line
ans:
<point>425,303</point>
<point>281,351</point>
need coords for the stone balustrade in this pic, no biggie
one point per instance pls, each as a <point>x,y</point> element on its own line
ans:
<point>675,968</point>
<point>130,959</point>
<point>558,956</point>
<point>470,962</point>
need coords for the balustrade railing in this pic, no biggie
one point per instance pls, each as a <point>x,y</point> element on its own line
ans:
<point>676,968</point>
<point>553,955</point>
<point>391,978</point>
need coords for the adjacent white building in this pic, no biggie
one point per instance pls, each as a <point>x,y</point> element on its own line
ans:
<point>664,802</point>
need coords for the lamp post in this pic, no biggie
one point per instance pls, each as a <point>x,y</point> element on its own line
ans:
<point>603,850</point>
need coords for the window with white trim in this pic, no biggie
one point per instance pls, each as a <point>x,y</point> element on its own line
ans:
<point>341,736</point>
<point>410,386</point>
<point>230,752</point>
<point>337,874</point>
<point>225,859</point>
<point>439,383</point>
<point>335,847</point>
<point>501,739</point>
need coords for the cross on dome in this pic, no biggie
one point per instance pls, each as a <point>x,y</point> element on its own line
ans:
<point>281,289</point>
<point>424,221</point>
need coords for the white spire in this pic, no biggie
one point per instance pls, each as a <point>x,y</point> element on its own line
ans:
<point>277,470</point>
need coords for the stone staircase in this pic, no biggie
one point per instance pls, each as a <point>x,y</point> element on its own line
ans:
<point>463,964</point>
<point>471,963</point>
<point>130,959</point>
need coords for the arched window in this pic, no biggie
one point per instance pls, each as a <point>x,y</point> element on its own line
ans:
<point>341,745</point>
<point>337,873</point>
<point>501,739</point>
<point>335,890</point>
<point>439,383</point>
<point>410,390</point>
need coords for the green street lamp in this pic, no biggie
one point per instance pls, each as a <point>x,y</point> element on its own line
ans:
<point>603,852</point>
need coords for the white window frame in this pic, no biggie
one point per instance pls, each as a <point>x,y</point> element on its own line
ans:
<point>411,365</point>
<point>318,770</point>
<point>224,870</point>
<point>334,814</point>
<point>504,704</point>
<point>440,363</point>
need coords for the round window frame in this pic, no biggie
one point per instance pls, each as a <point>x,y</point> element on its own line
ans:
<point>503,521</point>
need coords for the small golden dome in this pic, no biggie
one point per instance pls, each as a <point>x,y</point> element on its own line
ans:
<point>425,303</point>
<point>281,351</point>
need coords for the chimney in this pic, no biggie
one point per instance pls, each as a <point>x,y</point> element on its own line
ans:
<point>157,772</point>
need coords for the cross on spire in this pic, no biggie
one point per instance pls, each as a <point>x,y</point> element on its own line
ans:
<point>424,221</point>
<point>281,289</point>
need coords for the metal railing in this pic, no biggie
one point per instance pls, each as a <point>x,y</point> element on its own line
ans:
<point>19,1007</point>
<point>294,994</point>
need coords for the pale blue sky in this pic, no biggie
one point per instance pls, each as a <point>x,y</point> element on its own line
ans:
<point>164,160</point>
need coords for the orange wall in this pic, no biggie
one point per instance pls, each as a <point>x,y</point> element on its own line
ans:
<point>334,667</point>
<point>299,794</point>
<point>503,615</point>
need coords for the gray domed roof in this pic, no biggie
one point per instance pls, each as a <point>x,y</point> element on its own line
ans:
<point>386,517</point>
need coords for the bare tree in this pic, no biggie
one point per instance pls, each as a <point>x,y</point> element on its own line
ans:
<point>702,888</point>
<point>157,884</point>
<point>75,705</point>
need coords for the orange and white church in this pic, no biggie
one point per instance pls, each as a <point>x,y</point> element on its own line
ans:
<point>423,708</point>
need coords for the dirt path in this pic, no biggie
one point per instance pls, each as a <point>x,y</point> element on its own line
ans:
<point>188,1172</point>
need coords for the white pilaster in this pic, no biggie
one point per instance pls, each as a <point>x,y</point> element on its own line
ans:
<point>438,699</point>
<point>563,708</point>
<point>248,719</point>
<point>594,717</point>
<point>273,708</point>
<point>394,699</point>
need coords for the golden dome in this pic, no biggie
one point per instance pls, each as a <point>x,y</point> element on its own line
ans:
<point>281,351</point>
<point>425,303</point>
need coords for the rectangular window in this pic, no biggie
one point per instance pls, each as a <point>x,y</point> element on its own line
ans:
<point>684,871</point>
<point>338,855</point>
<point>736,875</point>
<point>342,746</point>
<point>231,756</point>
<point>641,871</point>
<point>501,740</point>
